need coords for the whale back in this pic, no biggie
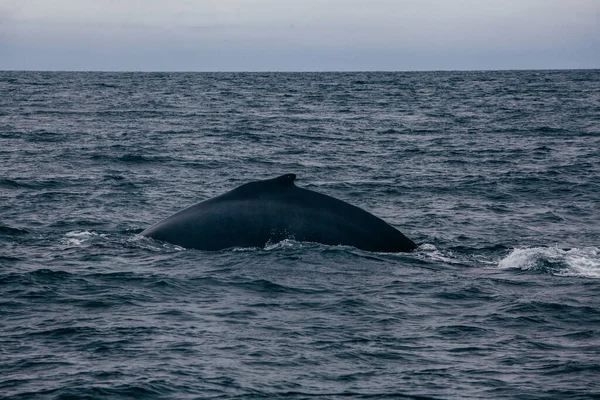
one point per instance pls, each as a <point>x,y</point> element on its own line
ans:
<point>271,210</point>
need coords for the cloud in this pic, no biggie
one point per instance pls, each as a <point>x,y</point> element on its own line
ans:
<point>350,29</point>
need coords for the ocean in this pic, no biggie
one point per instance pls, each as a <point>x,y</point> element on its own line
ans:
<point>495,174</point>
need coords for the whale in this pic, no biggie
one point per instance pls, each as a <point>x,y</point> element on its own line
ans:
<point>269,211</point>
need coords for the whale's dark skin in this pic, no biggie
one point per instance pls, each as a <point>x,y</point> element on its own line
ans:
<point>272,210</point>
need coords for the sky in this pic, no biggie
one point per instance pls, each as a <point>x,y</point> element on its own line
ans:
<point>298,35</point>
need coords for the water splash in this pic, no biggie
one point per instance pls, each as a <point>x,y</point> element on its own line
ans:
<point>583,262</point>
<point>283,244</point>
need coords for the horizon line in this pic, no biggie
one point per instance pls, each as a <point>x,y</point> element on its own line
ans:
<point>297,71</point>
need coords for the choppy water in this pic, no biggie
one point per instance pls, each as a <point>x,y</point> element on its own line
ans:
<point>496,174</point>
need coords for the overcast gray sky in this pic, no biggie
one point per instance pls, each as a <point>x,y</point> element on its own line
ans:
<point>298,35</point>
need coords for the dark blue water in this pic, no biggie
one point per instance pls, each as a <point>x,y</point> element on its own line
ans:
<point>495,174</point>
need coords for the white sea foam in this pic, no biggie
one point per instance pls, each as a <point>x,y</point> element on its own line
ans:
<point>77,238</point>
<point>153,245</point>
<point>584,262</point>
<point>433,253</point>
<point>284,244</point>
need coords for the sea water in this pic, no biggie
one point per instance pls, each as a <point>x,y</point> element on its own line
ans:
<point>496,175</point>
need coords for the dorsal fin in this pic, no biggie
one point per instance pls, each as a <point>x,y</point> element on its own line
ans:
<point>268,185</point>
<point>287,179</point>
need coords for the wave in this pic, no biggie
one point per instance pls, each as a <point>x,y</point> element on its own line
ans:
<point>581,262</point>
<point>10,231</point>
